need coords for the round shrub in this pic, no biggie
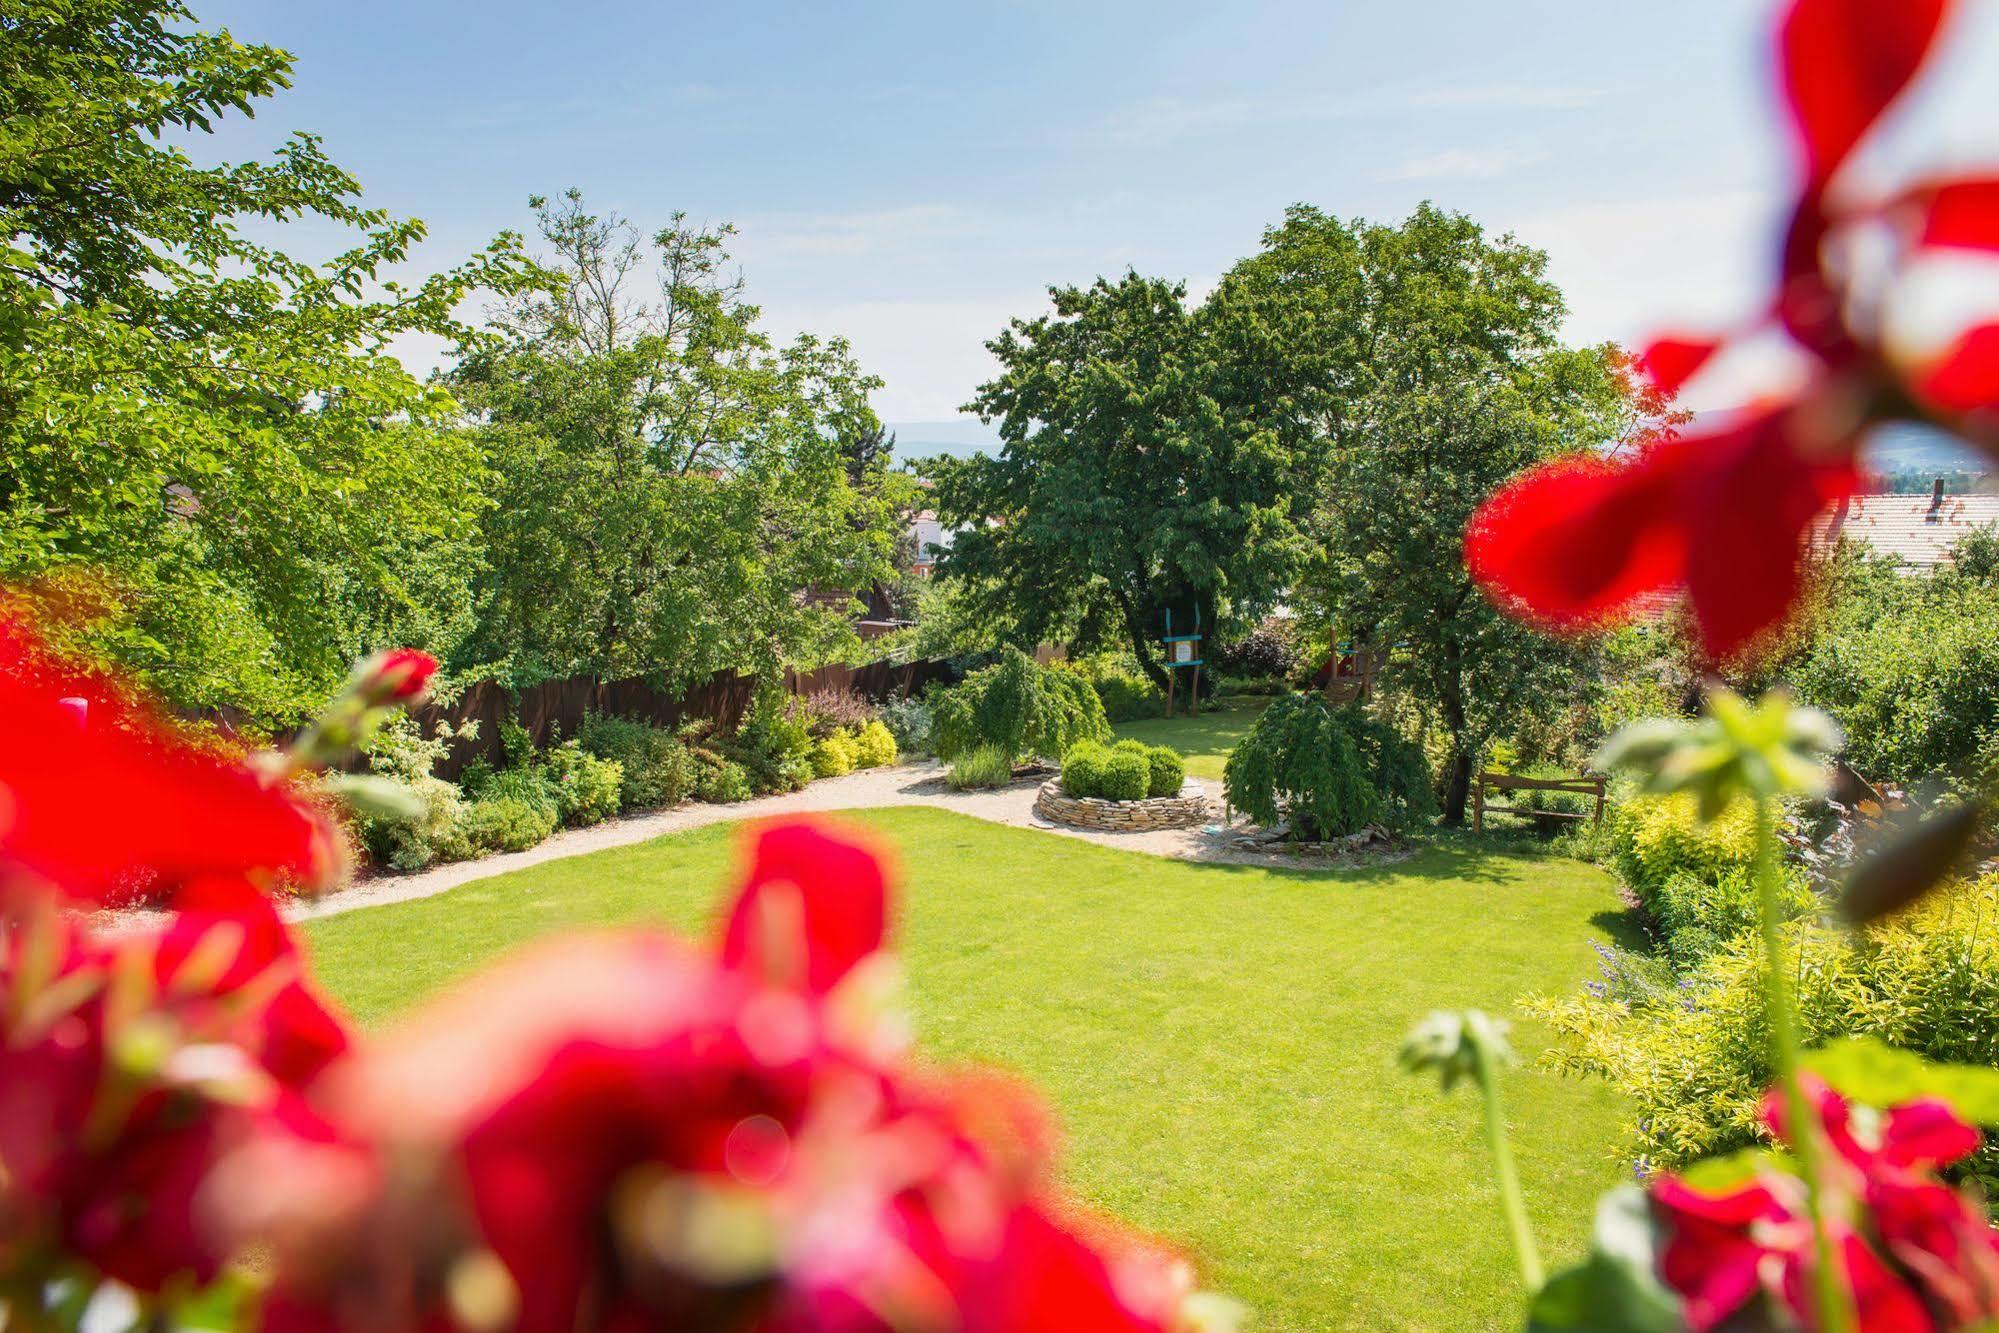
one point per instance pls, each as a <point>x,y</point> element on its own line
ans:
<point>1169,771</point>
<point>908,721</point>
<point>986,766</point>
<point>504,823</point>
<point>403,842</point>
<point>656,768</point>
<point>833,755</point>
<point>875,746</point>
<point>1330,770</point>
<point>1083,769</point>
<point>1270,650</point>
<point>1127,776</point>
<point>724,782</point>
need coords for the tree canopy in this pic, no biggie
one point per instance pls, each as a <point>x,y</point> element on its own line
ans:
<point>668,486</point>
<point>1426,357</point>
<point>1133,476</point>
<point>204,443</point>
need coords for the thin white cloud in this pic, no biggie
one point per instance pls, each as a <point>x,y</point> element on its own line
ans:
<point>1476,164</point>
<point>864,232</point>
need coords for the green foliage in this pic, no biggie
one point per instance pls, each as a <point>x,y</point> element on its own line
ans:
<point>410,842</point>
<point>586,787</point>
<point>655,768</point>
<point>1135,474</point>
<point>1126,775</point>
<point>979,767</point>
<point>908,722</point>
<point>726,782</point>
<point>1693,1061</point>
<point>530,786</point>
<point>1424,362</point>
<point>503,824</point>
<point>874,745</point>
<point>203,449</point>
<point>1168,771</point>
<point>1123,689</point>
<point>1331,771</point>
<point>399,748</point>
<point>1018,706</point>
<point>1658,838</point>
<point>1083,769</point>
<point>834,755</point>
<point>1909,667</point>
<point>665,478</point>
<point>770,742</point>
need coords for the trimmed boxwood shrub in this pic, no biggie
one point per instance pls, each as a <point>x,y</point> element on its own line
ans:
<point>1127,775</point>
<point>1083,769</point>
<point>1169,771</point>
<point>1330,770</point>
<point>1019,707</point>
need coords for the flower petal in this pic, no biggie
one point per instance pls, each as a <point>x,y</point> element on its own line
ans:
<point>814,905</point>
<point>1670,362</point>
<point>1961,214</point>
<point>1965,378</point>
<point>1844,63</point>
<point>1926,1132</point>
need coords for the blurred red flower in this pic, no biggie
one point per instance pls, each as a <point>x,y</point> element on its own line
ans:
<point>127,1066</point>
<point>1724,512</point>
<point>1917,1254</point>
<point>615,1131</point>
<point>119,806</point>
<point>399,676</point>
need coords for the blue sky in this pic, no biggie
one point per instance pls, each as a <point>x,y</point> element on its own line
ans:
<point>909,175</point>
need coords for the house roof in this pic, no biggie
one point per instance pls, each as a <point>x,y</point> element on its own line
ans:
<point>1917,531</point>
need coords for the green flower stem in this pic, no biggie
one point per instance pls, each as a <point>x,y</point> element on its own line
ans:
<point>1510,1201</point>
<point>1833,1307</point>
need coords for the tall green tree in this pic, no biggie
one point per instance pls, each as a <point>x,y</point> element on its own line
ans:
<point>202,437</point>
<point>1132,477</point>
<point>672,493</point>
<point>1426,359</point>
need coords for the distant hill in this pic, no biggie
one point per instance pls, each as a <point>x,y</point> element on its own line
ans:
<point>1906,449</point>
<point>958,437</point>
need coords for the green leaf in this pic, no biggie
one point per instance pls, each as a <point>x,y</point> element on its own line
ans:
<point>1616,1290</point>
<point>1881,1076</point>
<point>1910,864</point>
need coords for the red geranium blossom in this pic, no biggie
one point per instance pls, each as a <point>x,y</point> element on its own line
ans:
<point>127,1065</point>
<point>398,676</point>
<point>1724,511</point>
<point>1916,1254</point>
<point>117,805</point>
<point>619,1132</point>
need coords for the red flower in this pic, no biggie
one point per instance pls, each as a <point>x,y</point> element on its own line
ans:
<point>398,676</point>
<point>1916,1254</point>
<point>616,1132</point>
<point>126,1067</point>
<point>1724,513</point>
<point>122,807</point>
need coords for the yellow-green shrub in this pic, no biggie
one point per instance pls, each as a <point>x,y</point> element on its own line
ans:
<point>874,746</point>
<point>1655,838</point>
<point>833,755</point>
<point>1692,1059</point>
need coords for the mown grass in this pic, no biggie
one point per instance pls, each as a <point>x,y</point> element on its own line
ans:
<point>1218,1041</point>
<point>1206,738</point>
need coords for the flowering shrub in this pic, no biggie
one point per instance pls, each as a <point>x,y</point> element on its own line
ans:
<point>619,1130</point>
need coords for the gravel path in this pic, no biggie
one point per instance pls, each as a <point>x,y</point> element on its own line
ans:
<point>918,784</point>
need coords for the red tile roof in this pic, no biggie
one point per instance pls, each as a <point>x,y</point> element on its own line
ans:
<point>1905,528</point>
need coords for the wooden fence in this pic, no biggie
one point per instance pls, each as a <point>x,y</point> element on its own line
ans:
<point>560,705</point>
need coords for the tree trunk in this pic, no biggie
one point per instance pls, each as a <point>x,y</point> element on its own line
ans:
<point>1457,774</point>
<point>1457,788</point>
<point>1141,643</point>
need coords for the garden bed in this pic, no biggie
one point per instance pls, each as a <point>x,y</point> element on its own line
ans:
<point>1185,810</point>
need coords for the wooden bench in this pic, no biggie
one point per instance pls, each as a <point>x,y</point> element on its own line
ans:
<point>1586,784</point>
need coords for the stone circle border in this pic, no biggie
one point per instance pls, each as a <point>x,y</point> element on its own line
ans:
<point>1189,808</point>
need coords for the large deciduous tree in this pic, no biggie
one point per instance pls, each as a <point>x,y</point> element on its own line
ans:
<point>201,435</point>
<point>1425,357</point>
<point>672,493</point>
<point>1132,478</point>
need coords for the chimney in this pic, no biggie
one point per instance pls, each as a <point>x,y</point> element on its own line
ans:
<point>1936,502</point>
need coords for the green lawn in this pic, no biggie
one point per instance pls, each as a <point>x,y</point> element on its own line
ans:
<point>1218,1040</point>
<point>1205,738</point>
